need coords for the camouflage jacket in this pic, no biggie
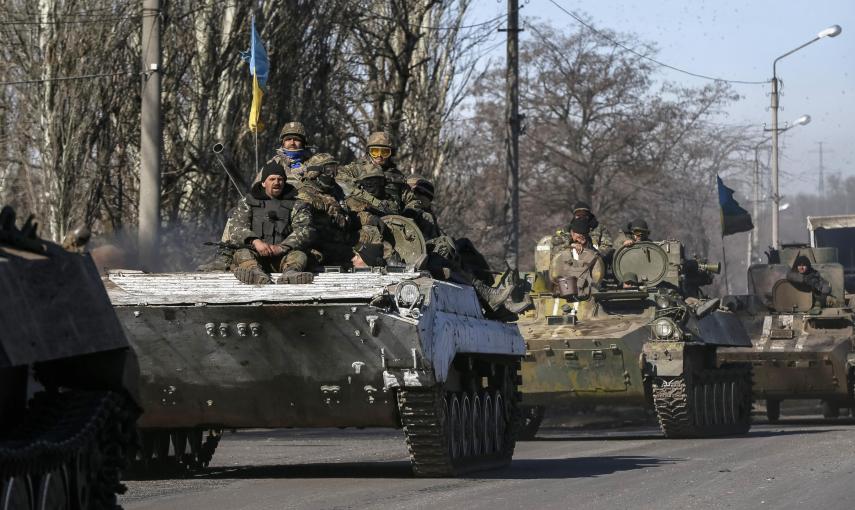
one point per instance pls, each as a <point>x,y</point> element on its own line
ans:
<point>811,280</point>
<point>331,220</point>
<point>395,181</point>
<point>286,221</point>
<point>368,210</point>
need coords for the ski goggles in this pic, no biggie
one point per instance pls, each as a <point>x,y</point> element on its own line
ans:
<point>380,152</point>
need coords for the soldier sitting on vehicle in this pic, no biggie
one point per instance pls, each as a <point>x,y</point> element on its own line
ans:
<point>334,241</point>
<point>599,237</point>
<point>369,203</point>
<point>804,277</point>
<point>636,231</point>
<point>418,200</point>
<point>576,268</point>
<point>379,156</point>
<point>274,229</point>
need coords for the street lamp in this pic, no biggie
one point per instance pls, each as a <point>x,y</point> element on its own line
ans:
<point>755,184</point>
<point>832,31</point>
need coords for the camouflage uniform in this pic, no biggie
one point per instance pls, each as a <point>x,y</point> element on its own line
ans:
<point>811,281</point>
<point>285,221</point>
<point>333,246</point>
<point>369,209</point>
<point>418,199</point>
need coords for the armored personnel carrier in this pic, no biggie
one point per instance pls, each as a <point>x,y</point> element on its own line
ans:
<point>649,344</point>
<point>66,410</point>
<point>799,351</point>
<point>352,349</point>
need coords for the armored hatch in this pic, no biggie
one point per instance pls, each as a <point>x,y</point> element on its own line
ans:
<point>647,260</point>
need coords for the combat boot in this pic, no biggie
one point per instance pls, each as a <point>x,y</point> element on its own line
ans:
<point>252,275</point>
<point>295,277</point>
<point>492,296</point>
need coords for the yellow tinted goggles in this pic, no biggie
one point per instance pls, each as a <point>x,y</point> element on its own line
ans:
<point>379,152</point>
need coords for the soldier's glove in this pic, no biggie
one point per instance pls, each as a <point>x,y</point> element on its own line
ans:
<point>338,216</point>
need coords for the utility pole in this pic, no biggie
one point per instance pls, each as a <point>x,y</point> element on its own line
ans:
<point>512,133</point>
<point>151,140</point>
<point>820,187</point>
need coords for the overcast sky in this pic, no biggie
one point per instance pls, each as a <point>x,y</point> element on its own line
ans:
<point>738,40</point>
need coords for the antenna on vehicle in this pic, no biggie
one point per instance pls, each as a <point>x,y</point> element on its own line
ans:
<point>217,149</point>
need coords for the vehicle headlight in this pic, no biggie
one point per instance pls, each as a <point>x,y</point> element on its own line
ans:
<point>664,328</point>
<point>662,302</point>
<point>408,294</point>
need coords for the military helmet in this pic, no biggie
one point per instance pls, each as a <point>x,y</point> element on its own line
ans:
<point>421,185</point>
<point>380,139</point>
<point>639,225</point>
<point>373,171</point>
<point>630,277</point>
<point>293,128</point>
<point>320,160</point>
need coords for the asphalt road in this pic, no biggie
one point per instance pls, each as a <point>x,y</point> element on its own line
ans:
<point>805,463</point>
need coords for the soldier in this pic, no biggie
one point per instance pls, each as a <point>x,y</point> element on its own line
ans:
<point>332,222</point>
<point>418,206</point>
<point>805,277</point>
<point>599,237</point>
<point>274,229</point>
<point>369,202</point>
<point>578,260</point>
<point>636,231</point>
<point>367,255</point>
<point>290,156</point>
<point>380,152</point>
<point>293,153</point>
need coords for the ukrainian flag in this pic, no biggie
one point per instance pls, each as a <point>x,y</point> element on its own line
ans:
<point>259,67</point>
<point>734,218</point>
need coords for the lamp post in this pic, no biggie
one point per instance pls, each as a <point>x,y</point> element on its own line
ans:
<point>755,185</point>
<point>832,31</point>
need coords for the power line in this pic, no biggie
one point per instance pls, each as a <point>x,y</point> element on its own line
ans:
<point>69,21</point>
<point>645,57</point>
<point>68,78</point>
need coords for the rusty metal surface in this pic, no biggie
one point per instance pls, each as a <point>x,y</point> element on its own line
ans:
<point>53,306</point>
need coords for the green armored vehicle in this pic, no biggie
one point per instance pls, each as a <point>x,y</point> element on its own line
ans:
<point>67,376</point>
<point>649,344</point>
<point>801,349</point>
<point>351,349</point>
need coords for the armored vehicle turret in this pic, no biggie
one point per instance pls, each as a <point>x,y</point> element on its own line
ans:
<point>646,336</point>
<point>802,348</point>
<point>66,378</point>
<point>351,349</point>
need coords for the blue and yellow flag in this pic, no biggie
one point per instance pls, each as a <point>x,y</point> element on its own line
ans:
<point>734,218</point>
<point>259,67</point>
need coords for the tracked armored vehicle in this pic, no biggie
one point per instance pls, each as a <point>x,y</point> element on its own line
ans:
<point>351,349</point>
<point>652,344</point>
<point>799,351</point>
<point>66,378</point>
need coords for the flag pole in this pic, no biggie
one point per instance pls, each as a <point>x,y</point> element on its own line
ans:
<point>256,150</point>
<point>724,265</point>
